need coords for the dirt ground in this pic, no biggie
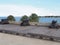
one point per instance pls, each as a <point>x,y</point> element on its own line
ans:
<point>8,39</point>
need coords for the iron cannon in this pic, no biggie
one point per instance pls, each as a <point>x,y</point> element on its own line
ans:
<point>54,24</point>
<point>25,22</point>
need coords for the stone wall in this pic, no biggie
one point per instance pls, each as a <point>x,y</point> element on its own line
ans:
<point>32,23</point>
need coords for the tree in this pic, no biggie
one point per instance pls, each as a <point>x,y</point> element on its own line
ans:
<point>24,17</point>
<point>11,18</point>
<point>34,18</point>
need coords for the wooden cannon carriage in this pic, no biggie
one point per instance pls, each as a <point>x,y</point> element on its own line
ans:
<point>54,24</point>
<point>25,22</point>
<point>4,21</point>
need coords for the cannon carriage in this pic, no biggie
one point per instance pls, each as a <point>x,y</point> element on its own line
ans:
<point>25,22</point>
<point>4,21</point>
<point>54,24</point>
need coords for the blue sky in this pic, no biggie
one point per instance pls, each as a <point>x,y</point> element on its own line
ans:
<point>43,3</point>
<point>22,7</point>
<point>36,3</point>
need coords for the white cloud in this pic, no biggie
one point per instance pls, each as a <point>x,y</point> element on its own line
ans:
<point>19,10</point>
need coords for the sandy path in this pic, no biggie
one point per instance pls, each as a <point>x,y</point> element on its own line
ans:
<point>7,39</point>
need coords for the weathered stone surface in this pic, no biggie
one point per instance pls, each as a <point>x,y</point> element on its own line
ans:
<point>33,30</point>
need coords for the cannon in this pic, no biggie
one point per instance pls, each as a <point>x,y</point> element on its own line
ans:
<point>54,24</point>
<point>4,21</point>
<point>25,22</point>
